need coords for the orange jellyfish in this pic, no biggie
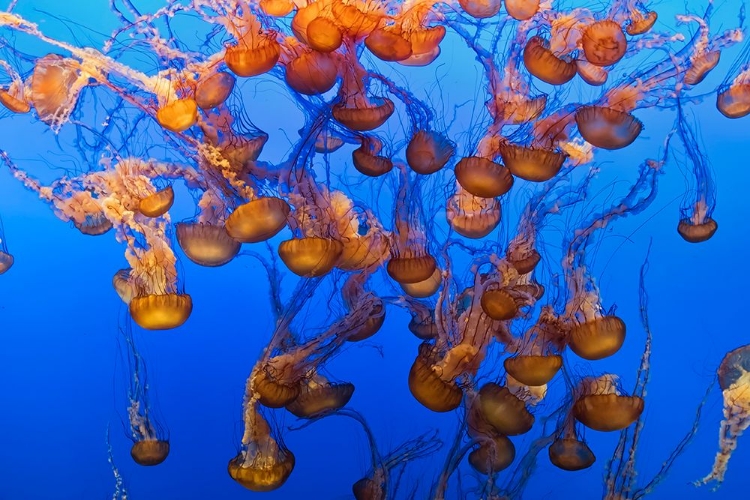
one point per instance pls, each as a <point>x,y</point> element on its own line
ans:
<point>503,411</point>
<point>318,396</point>
<point>308,71</point>
<point>734,380</point>
<point>366,244</point>
<point>256,50</point>
<point>472,216</point>
<point>604,42</point>
<point>537,360</point>
<point>569,451</point>
<point>481,9</point>
<point>355,109</point>
<point>593,333</point>
<point>214,90</point>
<point>367,160</point>
<point>483,177</point>
<point>55,86</point>
<point>354,293</point>
<point>13,97</point>
<point>6,259</point>
<point>150,440</point>
<point>522,10</point>
<point>545,65</point>
<point>600,404</point>
<point>264,463</point>
<point>428,152</point>
<point>696,224</point>
<point>206,244</point>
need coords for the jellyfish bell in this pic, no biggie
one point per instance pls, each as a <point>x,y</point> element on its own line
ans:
<point>316,399</point>
<point>262,475</point>
<point>499,305</point>
<point>368,489</point>
<point>522,10</point>
<point>161,311</point>
<point>13,103</point>
<point>524,263</point>
<point>322,34</point>
<point>311,256</point>
<point>6,262</point>
<point>734,101</point>
<point>423,328</point>
<point>545,65</point>
<point>533,370</point>
<point>371,326</point>
<point>419,60</point>
<point>428,152</point>
<point>471,216</point>
<point>258,220</point>
<point>601,406</point>
<point>93,224</point>
<point>122,285</point>
<point>604,43</point>
<point>607,128</point>
<point>428,388</point>
<point>213,91</point>
<point>425,288</point>
<point>411,270</point>
<point>252,59</point>
<point>480,9</point>
<point>504,411</point>
<point>530,163</point>
<point>311,73</point>
<point>364,118</point>
<point>178,115</point>
<point>206,244</point>
<point>370,164</point>
<point>483,177</point>
<point>598,338</point>
<point>51,84</point>
<point>493,455</point>
<point>570,454</point>
<point>640,23</point>
<point>697,233</point>
<point>388,45</point>
<point>592,74</point>
<point>276,8</point>
<point>700,67</point>
<point>149,452</point>
<point>158,203</point>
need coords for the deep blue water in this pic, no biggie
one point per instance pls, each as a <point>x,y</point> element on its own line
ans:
<point>60,320</point>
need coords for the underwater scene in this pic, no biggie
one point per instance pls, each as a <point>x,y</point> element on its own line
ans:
<point>374,249</point>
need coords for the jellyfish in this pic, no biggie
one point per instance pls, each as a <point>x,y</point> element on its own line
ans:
<point>6,259</point>
<point>13,97</point>
<point>318,396</point>
<point>150,438</point>
<point>733,381</point>
<point>696,224</point>
<point>601,405</point>
<point>355,109</point>
<point>537,360</point>
<point>367,161</point>
<point>308,71</point>
<point>256,50</point>
<point>569,451</point>
<point>472,216</point>
<point>593,333</point>
<point>354,293</point>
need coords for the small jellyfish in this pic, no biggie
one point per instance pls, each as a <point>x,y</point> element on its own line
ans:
<point>569,451</point>
<point>503,411</point>
<point>367,161</point>
<point>256,50</point>
<point>606,127</point>
<point>318,396</point>
<point>537,360</point>
<point>483,177</point>
<point>481,9</point>
<point>601,405</point>
<point>258,219</point>
<point>604,42</point>
<point>427,152</point>
<point>158,203</point>
<point>6,259</point>
<point>214,90</point>
<point>206,244</point>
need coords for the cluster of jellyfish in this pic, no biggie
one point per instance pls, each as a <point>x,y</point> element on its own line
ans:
<point>470,289</point>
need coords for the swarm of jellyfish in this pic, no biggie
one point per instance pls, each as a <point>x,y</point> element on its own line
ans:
<point>483,233</point>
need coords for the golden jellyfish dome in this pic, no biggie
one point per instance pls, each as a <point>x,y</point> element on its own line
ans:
<point>428,152</point>
<point>571,454</point>
<point>265,475</point>
<point>734,101</point>
<point>534,289</point>
<point>425,59</point>
<point>531,164</point>
<point>503,410</point>
<point>526,264</point>
<point>371,326</point>
<point>315,401</point>
<point>251,60</point>
<point>606,127</point>
<point>206,244</point>
<point>369,164</point>
<point>426,40</point>
<point>411,269</point>
<point>425,329</point>
<point>482,177</point>
<point>598,338</point>
<point>365,118</point>
<point>149,452</point>
<point>428,388</point>
<point>368,489</point>
<point>276,8</point>
<point>271,393</point>
<point>157,204</point>
<point>640,24</point>
<point>480,9</point>
<point>123,287</point>
<point>499,305</point>
<point>700,67</point>
<point>522,10</point>
<point>425,288</point>
<point>310,257</point>
<point>592,74</point>
<point>543,64</point>
<point>258,219</point>
<point>312,73</point>
<point>388,44</point>
<point>323,35</point>
<point>178,115</point>
<point>475,225</point>
<point>607,412</point>
<point>161,312</point>
<point>533,370</point>
<point>604,43</point>
<point>214,90</point>
<point>13,104</point>
<point>697,233</point>
<point>51,81</point>
<point>492,455</point>
<point>94,225</point>
<point>6,261</point>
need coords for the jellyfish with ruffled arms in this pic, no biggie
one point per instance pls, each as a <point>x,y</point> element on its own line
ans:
<point>6,259</point>
<point>594,333</point>
<point>150,440</point>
